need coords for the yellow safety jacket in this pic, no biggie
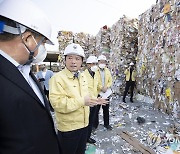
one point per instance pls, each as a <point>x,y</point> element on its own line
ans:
<point>92,84</point>
<point>66,95</point>
<point>127,73</point>
<point>108,79</point>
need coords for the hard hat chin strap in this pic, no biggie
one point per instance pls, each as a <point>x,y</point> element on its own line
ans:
<point>31,55</point>
<point>31,52</point>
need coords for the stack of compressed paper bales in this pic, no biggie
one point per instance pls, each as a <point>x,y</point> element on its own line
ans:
<point>158,61</point>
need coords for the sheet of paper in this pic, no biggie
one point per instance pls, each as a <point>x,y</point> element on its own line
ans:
<point>106,94</point>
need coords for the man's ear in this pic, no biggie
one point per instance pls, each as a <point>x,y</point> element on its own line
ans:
<point>26,37</point>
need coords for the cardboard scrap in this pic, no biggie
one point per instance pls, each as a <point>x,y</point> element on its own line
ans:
<point>134,142</point>
<point>123,105</point>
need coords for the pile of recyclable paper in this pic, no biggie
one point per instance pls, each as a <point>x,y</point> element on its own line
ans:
<point>103,39</point>
<point>87,41</point>
<point>92,45</point>
<point>123,47</point>
<point>64,38</point>
<point>81,39</point>
<point>158,60</point>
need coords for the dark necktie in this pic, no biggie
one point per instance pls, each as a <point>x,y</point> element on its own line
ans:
<point>76,75</point>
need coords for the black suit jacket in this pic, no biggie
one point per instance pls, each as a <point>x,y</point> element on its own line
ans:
<point>26,126</point>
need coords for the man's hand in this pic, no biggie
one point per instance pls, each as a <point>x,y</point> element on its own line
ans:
<point>102,101</point>
<point>104,89</point>
<point>94,101</point>
<point>90,101</point>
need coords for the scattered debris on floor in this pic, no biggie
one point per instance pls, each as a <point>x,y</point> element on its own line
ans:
<point>137,128</point>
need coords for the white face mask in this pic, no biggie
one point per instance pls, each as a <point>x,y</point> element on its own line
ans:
<point>42,53</point>
<point>94,68</point>
<point>102,66</point>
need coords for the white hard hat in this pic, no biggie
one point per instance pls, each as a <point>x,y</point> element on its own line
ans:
<point>74,49</point>
<point>131,64</point>
<point>27,14</point>
<point>102,57</point>
<point>91,59</point>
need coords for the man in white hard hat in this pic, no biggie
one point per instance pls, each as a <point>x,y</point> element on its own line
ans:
<point>104,83</point>
<point>92,67</point>
<point>26,123</point>
<point>69,96</point>
<point>130,81</point>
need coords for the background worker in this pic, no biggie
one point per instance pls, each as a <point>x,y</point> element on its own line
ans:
<point>92,86</point>
<point>104,83</point>
<point>26,123</point>
<point>43,77</point>
<point>69,96</point>
<point>130,81</point>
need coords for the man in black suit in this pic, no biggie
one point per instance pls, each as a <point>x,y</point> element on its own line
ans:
<point>26,125</point>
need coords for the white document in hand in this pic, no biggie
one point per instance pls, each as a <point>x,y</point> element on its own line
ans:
<point>106,94</point>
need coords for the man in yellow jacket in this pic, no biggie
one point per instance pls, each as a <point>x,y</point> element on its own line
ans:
<point>130,81</point>
<point>104,83</point>
<point>69,96</point>
<point>92,86</point>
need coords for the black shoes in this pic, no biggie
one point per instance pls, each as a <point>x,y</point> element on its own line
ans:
<point>124,101</point>
<point>108,127</point>
<point>131,100</point>
<point>91,141</point>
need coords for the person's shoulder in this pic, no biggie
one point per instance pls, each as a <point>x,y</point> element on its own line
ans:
<point>107,69</point>
<point>50,71</point>
<point>84,72</point>
<point>58,74</point>
<point>98,70</point>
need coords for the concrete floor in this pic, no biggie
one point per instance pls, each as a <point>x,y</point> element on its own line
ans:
<point>109,142</point>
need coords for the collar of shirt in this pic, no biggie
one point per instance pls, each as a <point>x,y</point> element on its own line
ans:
<point>72,74</point>
<point>24,69</point>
